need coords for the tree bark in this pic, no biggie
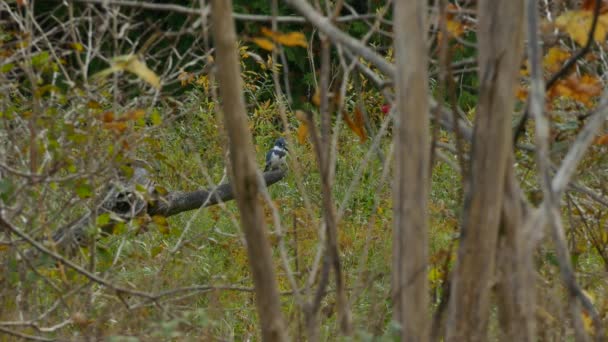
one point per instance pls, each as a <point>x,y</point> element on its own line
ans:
<point>500,39</point>
<point>516,288</point>
<point>245,174</point>
<point>411,182</point>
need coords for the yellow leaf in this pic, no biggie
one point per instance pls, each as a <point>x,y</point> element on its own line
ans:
<point>77,47</point>
<point>160,220</point>
<point>554,59</point>
<point>454,28</point>
<point>264,43</point>
<point>578,24</point>
<point>132,64</point>
<point>435,275</point>
<point>293,39</point>
<point>140,69</point>
<point>287,39</point>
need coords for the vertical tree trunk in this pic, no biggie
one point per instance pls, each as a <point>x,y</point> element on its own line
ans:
<point>516,287</point>
<point>411,182</point>
<point>500,39</point>
<point>244,173</point>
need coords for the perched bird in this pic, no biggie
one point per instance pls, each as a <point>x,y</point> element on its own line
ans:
<point>277,155</point>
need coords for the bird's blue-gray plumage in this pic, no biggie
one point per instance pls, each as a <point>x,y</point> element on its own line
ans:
<point>277,155</point>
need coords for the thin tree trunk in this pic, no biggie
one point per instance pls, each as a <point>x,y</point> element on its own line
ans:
<point>244,172</point>
<point>500,39</point>
<point>411,182</point>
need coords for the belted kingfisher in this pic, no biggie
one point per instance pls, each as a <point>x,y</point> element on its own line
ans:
<point>277,155</point>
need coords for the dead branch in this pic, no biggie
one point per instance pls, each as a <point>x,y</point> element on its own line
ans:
<point>178,202</point>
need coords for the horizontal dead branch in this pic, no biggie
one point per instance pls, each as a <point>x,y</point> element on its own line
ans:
<point>124,203</point>
<point>178,202</point>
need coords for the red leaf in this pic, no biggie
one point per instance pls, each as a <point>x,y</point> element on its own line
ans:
<point>386,108</point>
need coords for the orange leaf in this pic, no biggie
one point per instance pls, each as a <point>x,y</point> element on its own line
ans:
<point>357,125</point>
<point>316,98</point>
<point>263,43</point>
<point>108,117</point>
<point>589,5</point>
<point>582,89</point>
<point>360,123</point>
<point>522,93</point>
<point>603,140</point>
<point>301,115</point>
<point>135,114</point>
<point>117,126</point>
<point>302,133</point>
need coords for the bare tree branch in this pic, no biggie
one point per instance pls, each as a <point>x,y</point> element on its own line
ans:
<point>178,202</point>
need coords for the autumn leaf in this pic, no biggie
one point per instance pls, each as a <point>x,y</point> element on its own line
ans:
<point>522,93</point>
<point>135,114</point>
<point>453,26</point>
<point>185,78</point>
<point>582,89</point>
<point>360,124</point>
<point>554,59</point>
<point>139,68</point>
<point>133,64</point>
<point>287,39</point>
<point>589,5</point>
<point>316,98</point>
<point>77,47</point>
<point>116,126</point>
<point>577,25</point>
<point>264,43</point>
<point>292,39</point>
<point>356,125</point>
<point>93,105</point>
<point>303,128</point>
<point>602,140</point>
<point>107,117</point>
<point>302,133</point>
<point>385,108</point>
